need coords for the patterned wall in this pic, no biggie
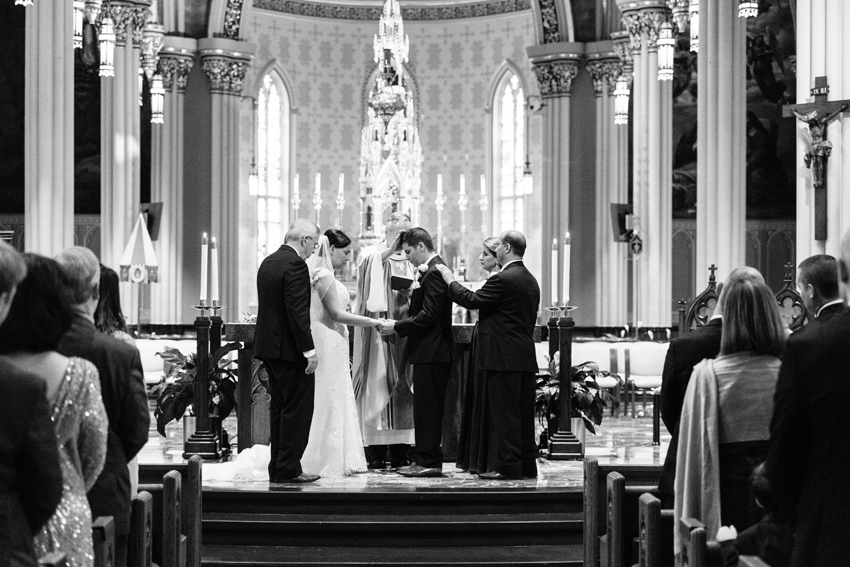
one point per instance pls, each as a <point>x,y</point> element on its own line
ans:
<point>453,62</point>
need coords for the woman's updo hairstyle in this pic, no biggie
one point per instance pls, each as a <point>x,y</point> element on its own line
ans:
<point>337,238</point>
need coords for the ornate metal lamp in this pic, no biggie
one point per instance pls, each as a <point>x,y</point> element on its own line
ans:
<point>106,39</point>
<point>748,9</point>
<point>666,48</point>
<point>157,99</point>
<point>693,10</point>
<point>79,12</point>
<point>621,101</point>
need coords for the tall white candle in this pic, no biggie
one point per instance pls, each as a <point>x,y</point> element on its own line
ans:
<point>341,184</point>
<point>483,188</point>
<point>567,269</point>
<point>317,201</point>
<point>296,197</point>
<point>554,271</point>
<point>462,184</point>
<point>204,257</point>
<point>214,269</point>
<point>439,184</point>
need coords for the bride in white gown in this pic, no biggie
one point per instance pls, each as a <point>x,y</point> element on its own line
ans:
<point>335,447</point>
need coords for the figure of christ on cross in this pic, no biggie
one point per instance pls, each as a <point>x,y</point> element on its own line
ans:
<point>820,149</point>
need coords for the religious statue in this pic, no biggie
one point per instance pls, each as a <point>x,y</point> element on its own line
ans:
<point>820,150</point>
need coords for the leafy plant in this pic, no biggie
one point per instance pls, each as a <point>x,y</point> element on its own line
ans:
<point>589,399</point>
<point>177,393</point>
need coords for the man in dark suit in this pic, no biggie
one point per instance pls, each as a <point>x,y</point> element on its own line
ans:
<point>507,309</point>
<point>817,280</point>
<point>429,349</point>
<point>122,389</point>
<point>283,342</point>
<point>809,450</point>
<point>30,477</point>
<point>683,354</point>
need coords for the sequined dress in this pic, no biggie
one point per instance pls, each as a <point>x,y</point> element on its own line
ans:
<point>335,447</point>
<point>81,427</point>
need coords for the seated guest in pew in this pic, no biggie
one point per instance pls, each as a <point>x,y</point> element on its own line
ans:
<point>30,477</point>
<point>809,446</point>
<point>723,430</point>
<point>122,386</point>
<point>771,539</point>
<point>684,353</point>
<point>39,317</point>
<point>817,281</point>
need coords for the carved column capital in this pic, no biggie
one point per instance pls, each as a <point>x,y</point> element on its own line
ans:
<point>644,20</point>
<point>604,73</point>
<point>555,78</point>
<point>225,62</point>
<point>128,18</point>
<point>152,40</point>
<point>176,60</point>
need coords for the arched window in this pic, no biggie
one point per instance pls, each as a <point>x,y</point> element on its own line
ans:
<point>272,165</point>
<point>510,153</point>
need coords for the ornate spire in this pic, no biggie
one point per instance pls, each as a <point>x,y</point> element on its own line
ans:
<point>391,34</point>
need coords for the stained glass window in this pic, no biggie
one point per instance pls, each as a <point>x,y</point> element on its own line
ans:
<point>510,154</point>
<point>270,146</point>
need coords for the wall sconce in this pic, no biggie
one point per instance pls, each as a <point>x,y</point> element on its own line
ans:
<point>157,99</point>
<point>693,10</point>
<point>621,101</point>
<point>748,9</point>
<point>666,45</point>
<point>106,40</point>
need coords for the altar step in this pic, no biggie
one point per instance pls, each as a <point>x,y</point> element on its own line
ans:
<point>390,527</point>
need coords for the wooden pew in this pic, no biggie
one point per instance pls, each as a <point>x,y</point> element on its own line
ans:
<point>103,538</point>
<point>655,533</point>
<point>751,561</point>
<point>53,559</point>
<point>613,543</point>
<point>140,544</point>
<point>699,552</point>
<point>591,512</point>
<point>192,508</point>
<point>173,540</point>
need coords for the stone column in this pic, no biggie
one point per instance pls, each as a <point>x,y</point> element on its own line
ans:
<point>175,61</point>
<point>555,66</point>
<point>49,128</point>
<point>721,139</point>
<point>225,63</point>
<point>612,272</point>
<point>120,176</point>
<point>822,50</point>
<point>652,118</point>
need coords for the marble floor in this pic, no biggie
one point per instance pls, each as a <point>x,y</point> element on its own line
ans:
<point>619,440</point>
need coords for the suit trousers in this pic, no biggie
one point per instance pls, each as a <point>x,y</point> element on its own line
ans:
<point>429,401</point>
<point>291,411</point>
<point>510,400</point>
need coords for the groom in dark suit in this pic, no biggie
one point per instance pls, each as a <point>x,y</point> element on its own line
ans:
<point>429,350</point>
<point>283,342</point>
<point>507,309</point>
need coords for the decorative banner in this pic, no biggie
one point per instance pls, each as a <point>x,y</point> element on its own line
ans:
<point>138,262</point>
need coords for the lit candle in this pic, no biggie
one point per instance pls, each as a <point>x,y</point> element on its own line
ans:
<point>296,197</point>
<point>439,184</point>
<point>341,184</point>
<point>204,256</point>
<point>567,269</point>
<point>554,271</point>
<point>483,188</point>
<point>462,185</point>
<point>214,269</point>
<point>317,201</point>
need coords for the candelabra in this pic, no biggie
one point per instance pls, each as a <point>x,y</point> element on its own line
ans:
<point>564,444</point>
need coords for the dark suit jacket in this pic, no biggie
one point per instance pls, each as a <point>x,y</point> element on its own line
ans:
<point>826,314</point>
<point>429,326</point>
<point>507,313</point>
<point>123,390</point>
<point>30,477</point>
<point>283,313</point>
<point>682,355</point>
<point>809,454</point>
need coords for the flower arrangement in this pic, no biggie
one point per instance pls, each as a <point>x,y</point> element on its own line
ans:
<point>177,393</point>
<point>589,399</point>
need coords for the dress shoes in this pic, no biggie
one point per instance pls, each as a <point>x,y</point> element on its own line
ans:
<point>415,471</point>
<point>494,475</point>
<point>404,469</point>
<point>300,479</point>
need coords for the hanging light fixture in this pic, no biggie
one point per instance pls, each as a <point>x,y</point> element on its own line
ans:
<point>254,176</point>
<point>693,10</point>
<point>157,99</point>
<point>621,101</point>
<point>79,12</point>
<point>666,45</point>
<point>107,47</point>
<point>748,9</point>
<point>23,2</point>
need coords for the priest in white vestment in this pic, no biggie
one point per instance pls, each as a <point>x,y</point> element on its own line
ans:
<point>383,382</point>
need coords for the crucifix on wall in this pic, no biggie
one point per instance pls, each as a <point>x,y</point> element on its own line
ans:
<point>818,115</point>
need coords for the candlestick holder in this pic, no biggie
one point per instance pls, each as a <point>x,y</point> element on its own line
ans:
<point>552,328</point>
<point>564,444</point>
<point>202,307</point>
<point>204,441</point>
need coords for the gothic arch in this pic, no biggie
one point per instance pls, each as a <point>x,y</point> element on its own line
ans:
<point>227,19</point>
<point>283,77</point>
<point>553,21</point>
<point>496,81</point>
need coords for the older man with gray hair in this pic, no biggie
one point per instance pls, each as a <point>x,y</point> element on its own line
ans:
<point>122,388</point>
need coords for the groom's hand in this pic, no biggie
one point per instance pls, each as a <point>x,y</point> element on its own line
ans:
<point>387,327</point>
<point>448,277</point>
<point>312,363</point>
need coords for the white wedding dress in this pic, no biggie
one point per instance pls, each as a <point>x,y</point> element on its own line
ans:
<point>335,447</point>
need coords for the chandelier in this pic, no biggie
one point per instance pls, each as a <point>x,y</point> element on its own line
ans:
<point>666,46</point>
<point>391,47</point>
<point>107,46</point>
<point>748,9</point>
<point>157,99</point>
<point>693,10</point>
<point>79,13</point>
<point>621,101</point>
